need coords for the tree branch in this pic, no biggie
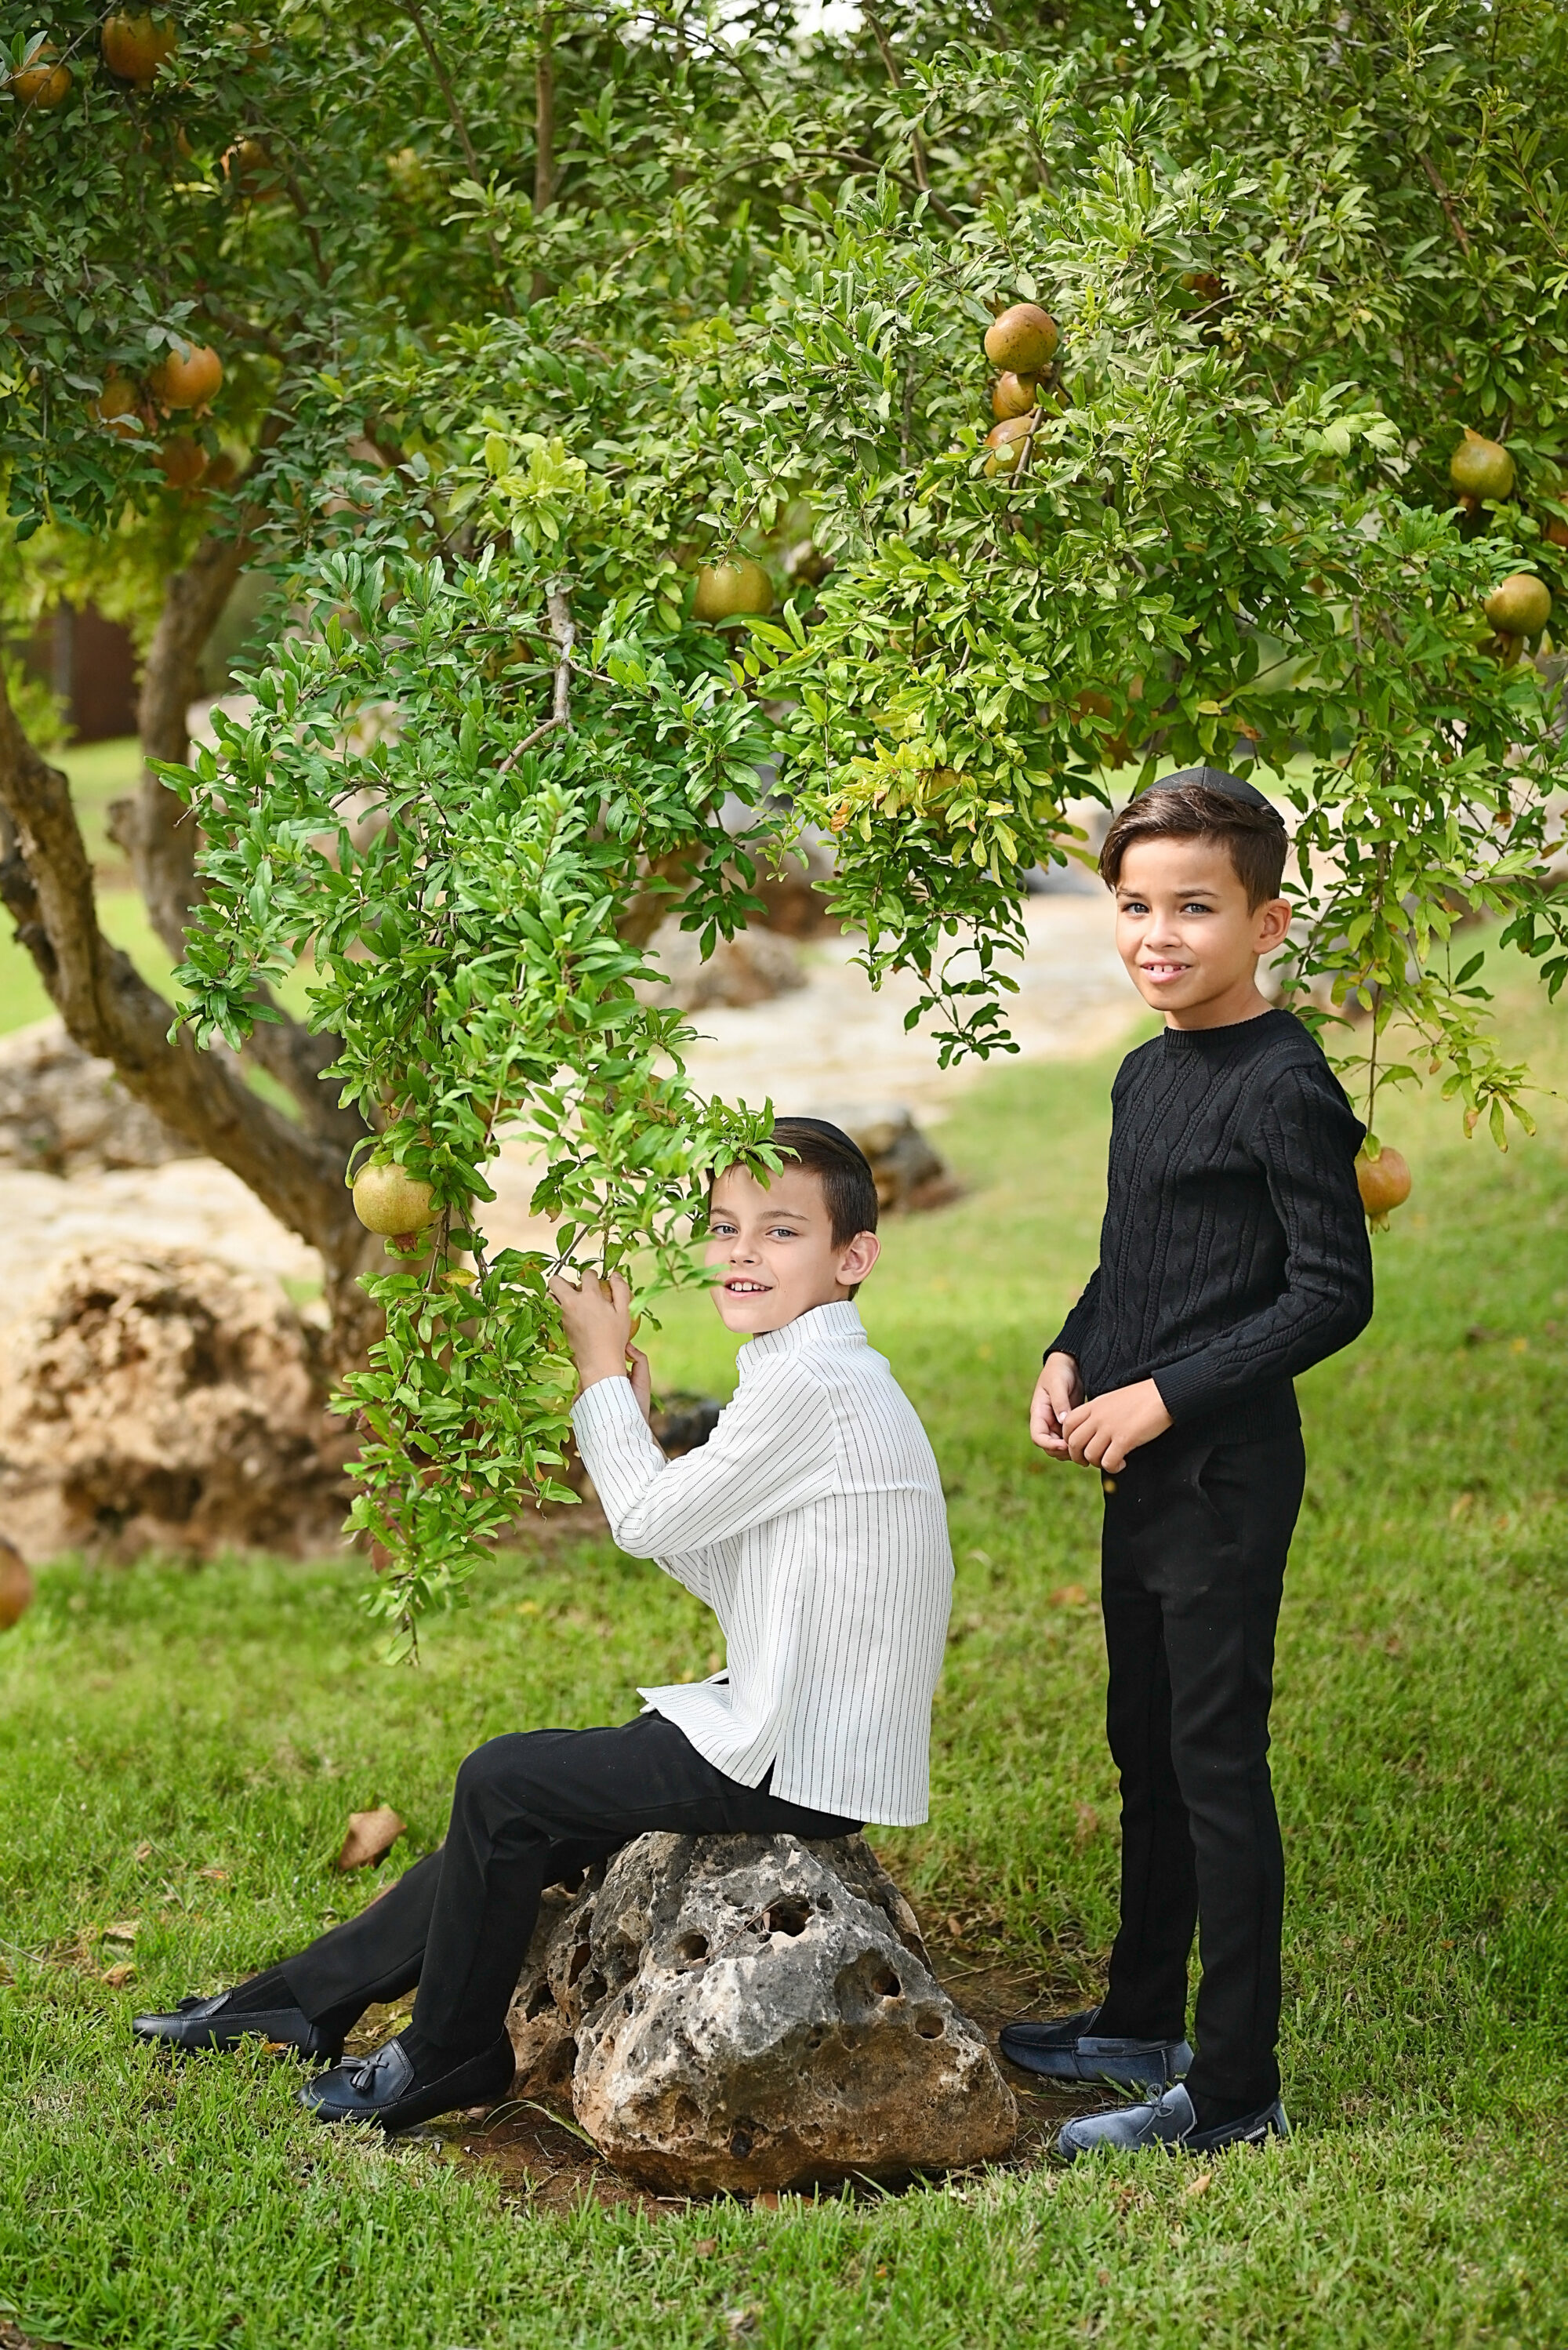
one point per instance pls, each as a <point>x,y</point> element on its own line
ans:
<point>545,113</point>
<point>158,834</point>
<point>563,627</point>
<point>46,884</point>
<point>917,144</point>
<point>415,15</point>
<point>1445,197</point>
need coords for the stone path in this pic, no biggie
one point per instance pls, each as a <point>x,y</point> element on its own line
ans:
<point>833,1041</point>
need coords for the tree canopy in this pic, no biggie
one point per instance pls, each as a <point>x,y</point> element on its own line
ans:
<point>526,314</point>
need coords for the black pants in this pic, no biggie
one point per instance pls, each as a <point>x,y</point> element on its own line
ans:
<point>1193,1559</point>
<point>529,1810</point>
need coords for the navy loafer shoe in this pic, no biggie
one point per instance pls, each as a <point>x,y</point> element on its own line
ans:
<point>1170,2125</point>
<point>1068,2049</point>
<point>203,2023</point>
<point>385,2088</point>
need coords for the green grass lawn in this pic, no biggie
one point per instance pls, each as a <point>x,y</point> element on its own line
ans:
<point>158,1724</point>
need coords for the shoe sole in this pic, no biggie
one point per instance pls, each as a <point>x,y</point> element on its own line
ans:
<point>1128,2075</point>
<point>226,2044</point>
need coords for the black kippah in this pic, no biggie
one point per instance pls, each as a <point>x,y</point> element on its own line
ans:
<point>824,1131</point>
<point>1214,779</point>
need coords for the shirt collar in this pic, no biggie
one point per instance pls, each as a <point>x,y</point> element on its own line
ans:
<point>837,1325</point>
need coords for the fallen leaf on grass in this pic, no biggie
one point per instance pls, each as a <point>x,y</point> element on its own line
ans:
<point>1072,1595</point>
<point>220,1876</point>
<point>371,1836</point>
<point>142,1852</point>
<point>704,2246</point>
<point>117,1977</point>
<point>124,1929</point>
<point>1198,2185</point>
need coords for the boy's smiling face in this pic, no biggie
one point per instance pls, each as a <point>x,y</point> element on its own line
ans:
<point>770,1251</point>
<point>1187,934</point>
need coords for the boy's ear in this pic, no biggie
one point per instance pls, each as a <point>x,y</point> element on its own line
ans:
<point>1270,922</point>
<point>856,1260</point>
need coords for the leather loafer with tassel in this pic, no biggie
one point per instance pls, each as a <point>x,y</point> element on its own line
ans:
<point>210,2023</point>
<point>385,2087</point>
<point>1170,2124</point>
<point>1068,2049</point>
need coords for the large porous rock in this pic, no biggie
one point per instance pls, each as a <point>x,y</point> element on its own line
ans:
<point>744,2013</point>
<point>160,1401</point>
<point>908,1170</point>
<point>64,1113</point>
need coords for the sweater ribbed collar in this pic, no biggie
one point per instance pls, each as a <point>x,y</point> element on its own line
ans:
<point>1215,1042</point>
<point>837,1325</point>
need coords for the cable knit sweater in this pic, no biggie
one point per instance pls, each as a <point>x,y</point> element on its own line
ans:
<point>1234,1251</point>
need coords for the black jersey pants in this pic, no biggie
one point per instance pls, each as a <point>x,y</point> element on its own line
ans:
<point>531,1809</point>
<point>1193,1560</point>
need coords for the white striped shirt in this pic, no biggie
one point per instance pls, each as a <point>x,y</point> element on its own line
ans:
<point>812,1523</point>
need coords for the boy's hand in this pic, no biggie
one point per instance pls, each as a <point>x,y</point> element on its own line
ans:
<point>1102,1433</point>
<point>599,1327</point>
<point>1056,1390</point>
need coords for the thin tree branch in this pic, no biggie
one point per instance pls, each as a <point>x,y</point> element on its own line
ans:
<point>563,627</point>
<point>917,144</point>
<point>1445,197</point>
<point>545,113</point>
<point>415,15</point>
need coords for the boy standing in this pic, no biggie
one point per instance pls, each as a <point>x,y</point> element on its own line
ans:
<point>812,1523</point>
<point>1233,1255</point>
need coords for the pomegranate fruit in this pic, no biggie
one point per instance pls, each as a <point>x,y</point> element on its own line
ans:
<point>389,1201</point>
<point>188,376</point>
<point>1013,395</point>
<point>1480,468</point>
<point>1022,340</point>
<point>1384,1182</point>
<point>727,590</point>
<point>40,81</point>
<point>1521,606</point>
<point>135,43</point>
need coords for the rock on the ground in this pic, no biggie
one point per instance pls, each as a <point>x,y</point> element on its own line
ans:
<point>909,1172</point>
<point>156,1400</point>
<point>746,2012</point>
<point>64,1113</point>
<point>750,967</point>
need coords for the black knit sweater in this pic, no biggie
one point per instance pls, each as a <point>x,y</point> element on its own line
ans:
<point>1234,1250</point>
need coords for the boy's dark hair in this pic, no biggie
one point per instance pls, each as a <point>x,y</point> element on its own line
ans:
<point>1205,803</point>
<point>841,1167</point>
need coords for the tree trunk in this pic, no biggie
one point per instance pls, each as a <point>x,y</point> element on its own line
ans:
<point>160,835</point>
<point>46,884</point>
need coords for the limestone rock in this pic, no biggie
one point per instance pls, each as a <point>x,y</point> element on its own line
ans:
<point>754,2011</point>
<point>750,967</point>
<point>909,1172</point>
<point>160,1399</point>
<point>64,1113</point>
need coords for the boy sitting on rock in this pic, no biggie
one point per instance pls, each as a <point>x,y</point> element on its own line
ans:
<point>812,1523</point>
<point>1233,1255</point>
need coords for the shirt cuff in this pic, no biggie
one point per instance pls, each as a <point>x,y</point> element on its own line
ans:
<point>608,1404</point>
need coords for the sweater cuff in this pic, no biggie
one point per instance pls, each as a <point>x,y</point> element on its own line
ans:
<point>1187,1389</point>
<point>1069,1340</point>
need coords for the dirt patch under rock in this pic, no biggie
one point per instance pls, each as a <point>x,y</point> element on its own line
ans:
<point>540,2157</point>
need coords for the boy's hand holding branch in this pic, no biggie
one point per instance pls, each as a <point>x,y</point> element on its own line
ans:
<point>598,1318</point>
